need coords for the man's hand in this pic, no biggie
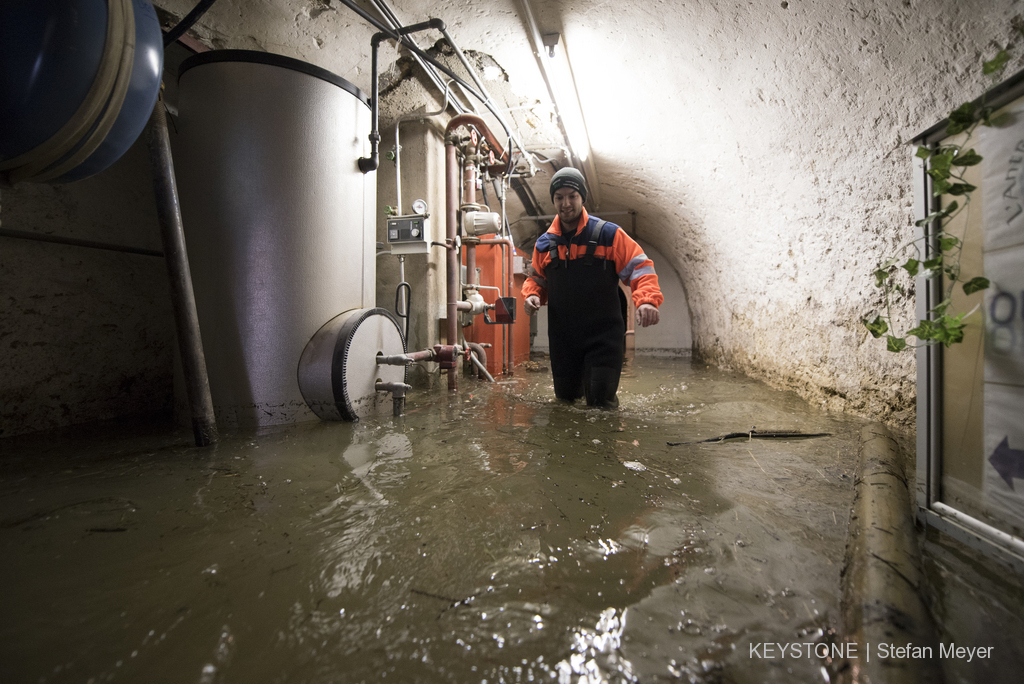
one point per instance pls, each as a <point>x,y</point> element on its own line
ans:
<point>532,303</point>
<point>646,314</point>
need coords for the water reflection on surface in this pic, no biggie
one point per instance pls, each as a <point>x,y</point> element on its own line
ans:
<point>492,535</point>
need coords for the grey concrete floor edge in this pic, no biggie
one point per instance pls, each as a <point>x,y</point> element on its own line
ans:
<point>883,599</point>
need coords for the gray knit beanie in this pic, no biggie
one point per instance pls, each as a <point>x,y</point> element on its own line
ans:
<point>569,178</point>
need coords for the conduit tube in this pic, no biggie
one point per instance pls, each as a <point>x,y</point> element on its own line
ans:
<point>480,367</point>
<point>190,342</point>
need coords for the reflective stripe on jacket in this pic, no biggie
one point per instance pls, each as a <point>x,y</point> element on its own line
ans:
<point>631,264</point>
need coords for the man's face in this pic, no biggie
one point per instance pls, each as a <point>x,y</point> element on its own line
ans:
<point>568,206</point>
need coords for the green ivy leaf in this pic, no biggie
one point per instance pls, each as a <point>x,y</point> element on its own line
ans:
<point>968,158</point>
<point>976,285</point>
<point>941,186</point>
<point>931,217</point>
<point>895,344</point>
<point>959,189</point>
<point>924,331</point>
<point>923,152</point>
<point>911,266</point>
<point>949,330</point>
<point>880,276</point>
<point>996,64</point>
<point>934,263</point>
<point>999,121</point>
<point>877,327</point>
<point>948,243</point>
<point>961,118</point>
<point>942,160</point>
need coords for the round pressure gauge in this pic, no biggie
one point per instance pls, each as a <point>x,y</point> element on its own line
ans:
<point>419,207</point>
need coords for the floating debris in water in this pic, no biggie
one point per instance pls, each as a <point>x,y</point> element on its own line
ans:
<point>634,465</point>
<point>757,434</point>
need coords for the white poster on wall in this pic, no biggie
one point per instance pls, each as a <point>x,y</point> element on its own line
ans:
<point>1002,150</point>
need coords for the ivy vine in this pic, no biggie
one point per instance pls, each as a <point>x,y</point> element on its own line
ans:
<point>947,165</point>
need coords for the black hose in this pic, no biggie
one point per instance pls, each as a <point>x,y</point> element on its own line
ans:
<point>368,164</point>
<point>403,311</point>
<point>186,23</point>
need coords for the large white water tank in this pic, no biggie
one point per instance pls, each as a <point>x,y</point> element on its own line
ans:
<point>279,220</point>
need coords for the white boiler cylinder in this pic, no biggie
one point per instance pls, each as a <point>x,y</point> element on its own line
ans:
<point>278,219</point>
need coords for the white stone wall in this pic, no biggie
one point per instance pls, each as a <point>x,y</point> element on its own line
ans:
<point>767,143</point>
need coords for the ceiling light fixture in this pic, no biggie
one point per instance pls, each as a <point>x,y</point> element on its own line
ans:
<point>553,60</point>
<point>567,102</point>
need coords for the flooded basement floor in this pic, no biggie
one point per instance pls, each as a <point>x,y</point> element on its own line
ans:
<point>491,535</point>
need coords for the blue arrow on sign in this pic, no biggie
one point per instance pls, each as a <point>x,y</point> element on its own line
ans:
<point>1009,463</point>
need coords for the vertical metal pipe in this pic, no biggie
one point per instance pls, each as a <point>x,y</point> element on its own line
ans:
<point>197,383</point>
<point>469,197</point>
<point>452,211</point>
<point>506,330</point>
<point>368,164</point>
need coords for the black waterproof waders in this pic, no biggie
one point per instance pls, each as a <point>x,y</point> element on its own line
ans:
<point>586,323</point>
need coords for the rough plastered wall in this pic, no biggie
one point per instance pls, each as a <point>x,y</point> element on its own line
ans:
<point>422,167</point>
<point>85,334</point>
<point>767,144</point>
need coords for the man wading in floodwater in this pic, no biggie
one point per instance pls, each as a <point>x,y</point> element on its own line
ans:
<point>577,266</point>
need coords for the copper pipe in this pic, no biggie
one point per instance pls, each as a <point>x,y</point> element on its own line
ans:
<point>406,359</point>
<point>452,213</point>
<point>469,197</point>
<point>479,124</point>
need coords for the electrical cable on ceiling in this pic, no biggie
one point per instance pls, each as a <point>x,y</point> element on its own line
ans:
<point>186,23</point>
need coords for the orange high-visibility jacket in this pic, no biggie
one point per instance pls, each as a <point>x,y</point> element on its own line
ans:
<point>631,264</point>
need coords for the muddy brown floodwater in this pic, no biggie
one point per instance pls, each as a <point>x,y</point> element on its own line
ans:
<point>490,535</point>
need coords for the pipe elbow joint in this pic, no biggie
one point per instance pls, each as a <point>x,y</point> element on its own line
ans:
<point>368,164</point>
<point>397,389</point>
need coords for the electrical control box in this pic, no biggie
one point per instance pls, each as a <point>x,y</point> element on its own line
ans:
<point>409,234</point>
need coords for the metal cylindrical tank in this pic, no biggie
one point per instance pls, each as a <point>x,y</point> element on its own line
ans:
<point>278,219</point>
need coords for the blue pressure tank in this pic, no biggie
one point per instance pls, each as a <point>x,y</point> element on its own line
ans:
<point>50,55</point>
